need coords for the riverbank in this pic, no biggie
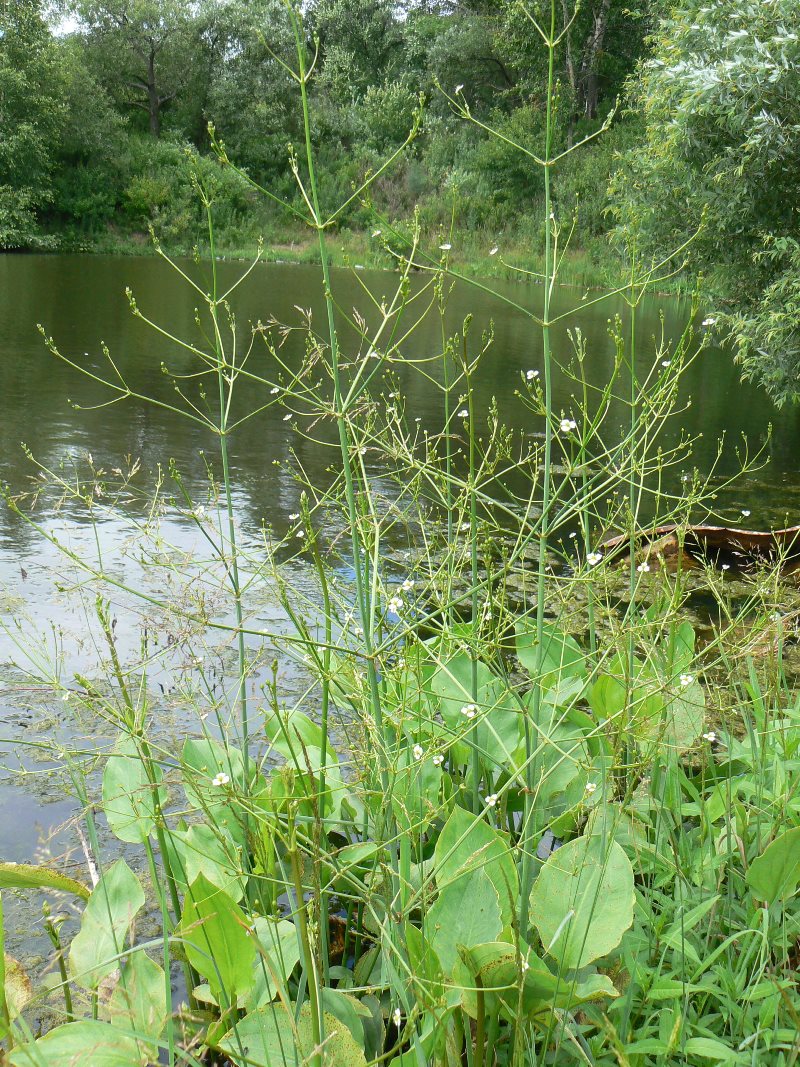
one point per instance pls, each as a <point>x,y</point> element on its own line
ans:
<point>473,253</point>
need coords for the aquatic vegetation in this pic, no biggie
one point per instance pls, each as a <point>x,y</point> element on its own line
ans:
<point>512,816</point>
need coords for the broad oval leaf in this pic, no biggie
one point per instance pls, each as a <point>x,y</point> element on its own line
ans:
<point>582,901</point>
<point>466,913</point>
<point>107,918</point>
<point>139,1001</point>
<point>775,874</point>
<point>560,656</point>
<point>86,1042</point>
<point>129,797</point>
<point>268,1037</point>
<point>467,843</point>
<point>277,955</point>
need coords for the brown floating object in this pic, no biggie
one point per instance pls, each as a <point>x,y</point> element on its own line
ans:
<point>723,547</point>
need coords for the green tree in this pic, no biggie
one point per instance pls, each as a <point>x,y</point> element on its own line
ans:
<point>31,113</point>
<point>721,156</point>
<point>251,98</point>
<point>144,51</point>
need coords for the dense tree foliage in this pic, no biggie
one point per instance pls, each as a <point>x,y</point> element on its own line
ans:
<point>114,106</point>
<point>721,159</point>
<point>32,104</point>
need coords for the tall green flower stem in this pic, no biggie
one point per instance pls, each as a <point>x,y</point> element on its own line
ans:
<point>475,578</point>
<point>53,933</point>
<point>5,1014</point>
<point>531,742</point>
<point>312,976</point>
<point>325,674</point>
<point>364,595</point>
<point>226,376</point>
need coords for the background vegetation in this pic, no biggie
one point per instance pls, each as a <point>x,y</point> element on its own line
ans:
<point>97,123</point>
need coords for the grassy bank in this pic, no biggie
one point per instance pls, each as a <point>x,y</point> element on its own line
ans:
<point>517,257</point>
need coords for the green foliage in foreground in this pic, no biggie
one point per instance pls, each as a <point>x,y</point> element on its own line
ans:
<point>662,927</point>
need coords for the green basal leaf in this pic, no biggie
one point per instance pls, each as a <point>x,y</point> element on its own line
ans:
<point>216,940</point>
<point>139,1000</point>
<point>129,797</point>
<point>466,912</point>
<point>582,901</point>
<point>504,972</point>
<point>206,850</point>
<point>27,876</point>
<point>290,732</point>
<point>415,792</point>
<point>775,874</point>
<point>268,1037</point>
<point>277,955</point>
<point>468,843</point>
<point>559,659</point>
<point>85,1042</point>
<point>112,907</point>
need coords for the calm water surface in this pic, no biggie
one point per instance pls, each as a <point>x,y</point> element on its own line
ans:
<point>81,302</point>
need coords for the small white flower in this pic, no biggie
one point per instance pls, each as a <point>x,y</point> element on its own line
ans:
<point>711,737</point>
<point>566,425</point>
<point>407,585</point>
<point>591,787</point>
<point>745,512</point>
<point>221,779</point>
<point>294,517</point>
<point>573,535</point>
<point>438,759</point>
<point>376,233</point>
<point>397,1016</point>
<point>418,751</point>
<point>531,374</point>
<point>666,362</point>
<point>525,966</point>
<point>362,451</point>
<point>726,566</point>
<point>66,696</point>
<point>593,558</point>
<point>275,390</point>
<point>464,527</point>
<point>359,631</point>
<point>709,322</point>
<point>686,679</point>
<point>445,247</point>
<point>287,417</point>
<point>469,711</point>
<point>463,414</point>
<point>491,800</point>
<point>395,604</point>
<point>300,533</point>
<point>643,568</point>
<point>494,251</point>
<point>458,89</point>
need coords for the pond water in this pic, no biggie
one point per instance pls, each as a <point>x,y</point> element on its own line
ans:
<point>81,302</point>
